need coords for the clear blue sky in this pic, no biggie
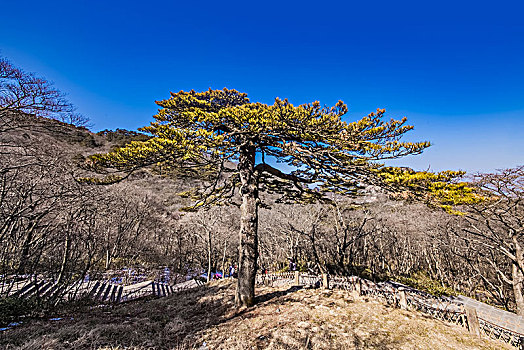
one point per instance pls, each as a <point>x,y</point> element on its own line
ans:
<point>455,69</point>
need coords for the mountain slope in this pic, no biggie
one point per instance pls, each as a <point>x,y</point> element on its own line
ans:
<point>284,318</point>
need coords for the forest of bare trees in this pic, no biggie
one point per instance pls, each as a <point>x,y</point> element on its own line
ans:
<point>52,225</point>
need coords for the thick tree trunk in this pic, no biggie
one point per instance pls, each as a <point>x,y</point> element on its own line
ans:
<point>518,277</point>
<point>248,247</point>
<point>517,289</point>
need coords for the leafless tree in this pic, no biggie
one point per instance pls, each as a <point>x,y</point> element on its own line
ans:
<point>24,93</point>
<point>496,230</point>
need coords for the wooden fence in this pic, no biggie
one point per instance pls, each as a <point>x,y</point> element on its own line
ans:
<point>99,291</point>
<point>479,318</point>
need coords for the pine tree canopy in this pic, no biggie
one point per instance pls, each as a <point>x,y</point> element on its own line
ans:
<point>208,131</point>
<point>234,144</point>
<point>441,189</point>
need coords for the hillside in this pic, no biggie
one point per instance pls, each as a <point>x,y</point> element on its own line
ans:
<point>54,226</point>
<point>66,229</point>
<point>284,318</point>
<point>49,137</point>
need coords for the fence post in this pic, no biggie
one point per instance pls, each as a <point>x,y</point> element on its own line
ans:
<point>402,299</point>
<point>297,278</point>
<point>112,297</point>
<point>93,290</point>
<point>357,288</point>
<point>473,321</point>
<point>119,294</point>
<point>106,293</point>
<point>325,281</point>
<point>99,292</point>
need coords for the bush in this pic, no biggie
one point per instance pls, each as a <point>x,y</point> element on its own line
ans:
<point>421,281</point>
<point>12,309</point>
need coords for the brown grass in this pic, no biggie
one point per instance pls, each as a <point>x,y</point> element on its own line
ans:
<point>284,318</point>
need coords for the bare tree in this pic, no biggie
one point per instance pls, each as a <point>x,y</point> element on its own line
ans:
<point>496,228</point>
<point>24,93</point>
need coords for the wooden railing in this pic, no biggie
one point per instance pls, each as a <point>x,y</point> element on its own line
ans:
<point>505,326</point>
<point>99,291</point>
<point>450,309</point>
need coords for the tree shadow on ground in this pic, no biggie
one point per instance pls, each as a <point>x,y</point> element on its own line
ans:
<point>276,294</point>
<point>163,323</point>
<point>180,321</point>
<point>172,322</point>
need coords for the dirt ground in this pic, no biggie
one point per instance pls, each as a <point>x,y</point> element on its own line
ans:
<point>205,319</point>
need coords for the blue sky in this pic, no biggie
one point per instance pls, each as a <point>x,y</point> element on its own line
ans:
<point>455,69</point>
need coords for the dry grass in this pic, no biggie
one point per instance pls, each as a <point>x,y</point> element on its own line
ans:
<point>283,319</point>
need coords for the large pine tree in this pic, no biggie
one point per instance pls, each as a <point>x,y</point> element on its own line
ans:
<point>227,138</point>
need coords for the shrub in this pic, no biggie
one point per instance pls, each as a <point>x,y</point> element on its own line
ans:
<point>12,309</point>
<point>421,280</point>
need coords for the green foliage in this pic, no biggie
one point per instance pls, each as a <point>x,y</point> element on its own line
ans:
<point>302,266</point>
<point>442,189</point>
<point>206,131</point>
<point>284,269</point>
<point>110,179</point>
<point>421,280</point>
<point>12,309</point>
